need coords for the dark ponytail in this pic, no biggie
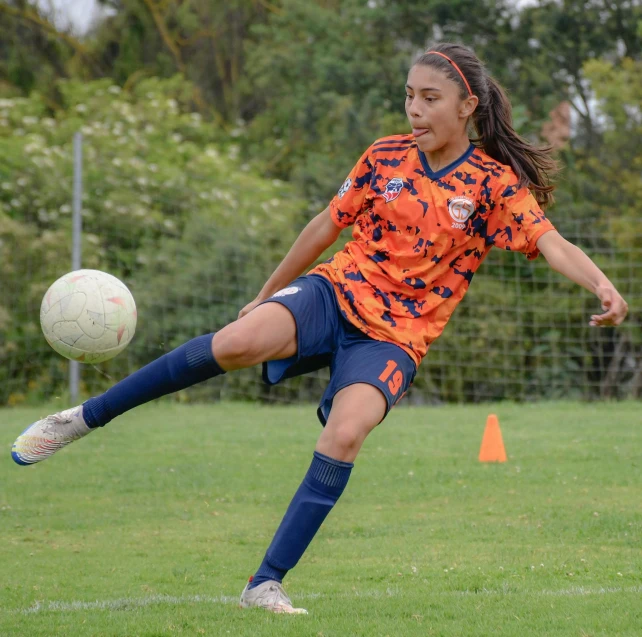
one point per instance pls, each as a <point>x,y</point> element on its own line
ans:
<point>493,121</point>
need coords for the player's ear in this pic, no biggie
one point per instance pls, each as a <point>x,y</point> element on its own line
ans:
<point>468,106</point>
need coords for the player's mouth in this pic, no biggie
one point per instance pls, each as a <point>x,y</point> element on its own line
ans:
<point>418,132</point>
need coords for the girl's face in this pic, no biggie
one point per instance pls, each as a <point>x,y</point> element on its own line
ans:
<point>435,109</point>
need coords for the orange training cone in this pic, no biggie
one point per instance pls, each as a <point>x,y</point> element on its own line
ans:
<point>492,447</point>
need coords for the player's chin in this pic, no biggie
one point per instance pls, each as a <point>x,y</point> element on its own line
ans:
<point>428,143</point>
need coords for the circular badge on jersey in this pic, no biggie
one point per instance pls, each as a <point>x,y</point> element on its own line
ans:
<point>461,208</point>
<point>346,186</point>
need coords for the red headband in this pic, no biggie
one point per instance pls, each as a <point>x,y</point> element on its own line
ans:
<point>456,68</point>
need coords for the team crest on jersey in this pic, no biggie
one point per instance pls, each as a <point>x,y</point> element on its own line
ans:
<point>460,209</point>
<point>393,189</point>
<point>346,186</point>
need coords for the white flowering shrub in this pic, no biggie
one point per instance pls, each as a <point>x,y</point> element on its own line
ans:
<point>169,206</point>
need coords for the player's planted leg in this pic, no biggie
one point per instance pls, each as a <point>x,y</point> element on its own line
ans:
<point>266,333</point>
<point>356,410</point>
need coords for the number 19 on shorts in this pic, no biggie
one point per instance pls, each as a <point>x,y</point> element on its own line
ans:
<point>394,377</point>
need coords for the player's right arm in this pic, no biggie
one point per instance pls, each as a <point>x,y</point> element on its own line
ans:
<point>322,231</point>
<point>314,239</point>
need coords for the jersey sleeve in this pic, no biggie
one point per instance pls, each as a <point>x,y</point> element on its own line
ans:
<point>349,201</point>
<point>518,221</point>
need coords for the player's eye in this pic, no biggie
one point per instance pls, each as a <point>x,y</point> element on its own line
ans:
<point>408,97</point>
<point>430,99</point>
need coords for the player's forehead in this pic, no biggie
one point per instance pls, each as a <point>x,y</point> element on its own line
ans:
<point>422,77</point>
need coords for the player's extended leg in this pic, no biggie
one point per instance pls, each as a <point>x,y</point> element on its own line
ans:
<point>356,411</point>
<point>267,333</point>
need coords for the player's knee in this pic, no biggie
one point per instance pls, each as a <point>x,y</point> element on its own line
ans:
<point>348,437</point>
<point>234,348</point>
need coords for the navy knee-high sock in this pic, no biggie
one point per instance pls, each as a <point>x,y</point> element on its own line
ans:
<point>183,367</point>
<point>321,488</point>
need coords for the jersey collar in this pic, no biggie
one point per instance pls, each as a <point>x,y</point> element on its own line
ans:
<point>444,171</point>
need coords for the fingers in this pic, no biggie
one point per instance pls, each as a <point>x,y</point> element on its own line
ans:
<point>601,320</point>
<point>615,313</point>
<point>614,307</point>
<point>248,308</point>
<point>607,318</point>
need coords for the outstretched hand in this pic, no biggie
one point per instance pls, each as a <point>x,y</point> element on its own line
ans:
<point>614,306</point>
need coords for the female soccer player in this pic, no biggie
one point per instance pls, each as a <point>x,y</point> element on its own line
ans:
<point>426,209</point>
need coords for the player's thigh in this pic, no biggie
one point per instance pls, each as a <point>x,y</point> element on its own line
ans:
<point>268,332</point>
<point>356,410</point>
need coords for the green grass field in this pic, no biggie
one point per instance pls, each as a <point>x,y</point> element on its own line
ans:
<point>152,525</point>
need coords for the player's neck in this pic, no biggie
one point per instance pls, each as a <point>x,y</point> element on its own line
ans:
<point>438,159</point>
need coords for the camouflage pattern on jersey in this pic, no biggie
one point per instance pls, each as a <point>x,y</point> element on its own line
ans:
<point>419,236</point>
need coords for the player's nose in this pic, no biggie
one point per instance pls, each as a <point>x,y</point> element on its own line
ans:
<point>413,109</point>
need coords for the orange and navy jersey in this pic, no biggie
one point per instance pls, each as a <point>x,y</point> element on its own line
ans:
<point>419,236</point>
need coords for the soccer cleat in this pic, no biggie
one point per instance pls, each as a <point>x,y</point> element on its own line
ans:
<point>269,595</point>
<point>44,437</point>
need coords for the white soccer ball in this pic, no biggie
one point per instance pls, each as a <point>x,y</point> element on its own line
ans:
<point>88,316</point>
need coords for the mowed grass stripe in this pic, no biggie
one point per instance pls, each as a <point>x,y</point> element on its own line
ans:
<point>130,603</point>
<point>172,505</point>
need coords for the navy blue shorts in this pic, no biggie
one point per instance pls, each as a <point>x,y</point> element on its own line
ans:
<point>326,338</point>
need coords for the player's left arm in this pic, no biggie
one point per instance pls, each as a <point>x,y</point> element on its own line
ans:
<point>569,260</point>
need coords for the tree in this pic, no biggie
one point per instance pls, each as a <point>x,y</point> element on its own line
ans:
<point>201,39</point>
<point>553,40</point>
<point>34,53</point>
